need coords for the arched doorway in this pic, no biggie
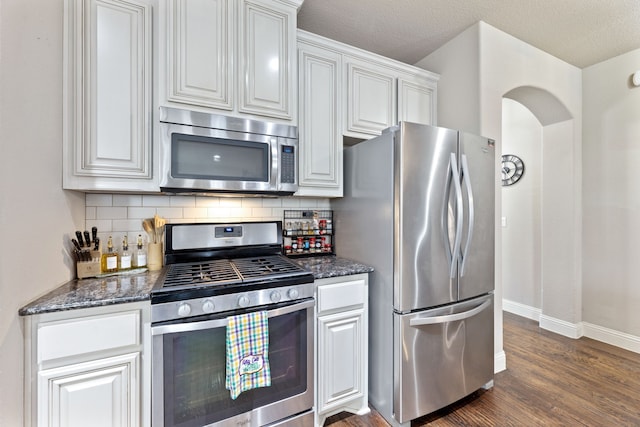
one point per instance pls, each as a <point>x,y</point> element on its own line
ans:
<point>537,128</point>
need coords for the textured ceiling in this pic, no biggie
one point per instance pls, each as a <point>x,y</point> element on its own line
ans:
<point>580,32</point>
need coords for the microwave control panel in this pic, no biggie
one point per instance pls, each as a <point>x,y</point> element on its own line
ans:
<point>288,171</point>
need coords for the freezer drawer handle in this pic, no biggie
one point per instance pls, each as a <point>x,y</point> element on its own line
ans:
<point>467,181</point>
<point>450,317</point>
<point>457,241</point>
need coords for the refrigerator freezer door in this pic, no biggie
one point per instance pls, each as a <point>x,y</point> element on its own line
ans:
<point>451,356</point>
<point>425,231</point>
<point>476,268</point>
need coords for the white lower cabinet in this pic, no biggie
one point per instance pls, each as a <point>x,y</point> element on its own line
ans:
<point>101,392</point>
<point>341,346</point>
<point>88,367</point>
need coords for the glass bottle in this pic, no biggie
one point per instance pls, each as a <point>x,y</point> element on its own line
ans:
<point>109,261</point>
<point>124,261</point>
<point>140,256</point>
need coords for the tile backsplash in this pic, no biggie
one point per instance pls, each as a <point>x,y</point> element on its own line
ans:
<point>120,214</point>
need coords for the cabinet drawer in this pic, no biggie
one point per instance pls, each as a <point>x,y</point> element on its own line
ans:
<point>342,294</point>
<point>88,334</point>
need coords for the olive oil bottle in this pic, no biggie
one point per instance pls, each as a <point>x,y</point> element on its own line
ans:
<point>109,261</point>
<point>124,260</point>
<point>140,256</point>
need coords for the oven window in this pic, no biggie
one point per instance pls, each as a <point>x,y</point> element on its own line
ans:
<point>194,372</point>
<point>202,157</point>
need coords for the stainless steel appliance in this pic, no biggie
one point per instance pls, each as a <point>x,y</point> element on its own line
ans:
<point>419,208</point>
<point>202,152</point>
<point>215,271</point>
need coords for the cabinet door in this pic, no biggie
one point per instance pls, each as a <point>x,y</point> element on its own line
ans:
<point>99,393</point>
<point>107,127</point>
<point>266,58</point>
<point>416,101</point>
<point>320,146</point>
<point>371,99</point>
<point>200,53</point>
<point>340,358</point>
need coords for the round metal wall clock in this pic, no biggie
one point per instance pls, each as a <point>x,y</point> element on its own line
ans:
<point>512,169</point>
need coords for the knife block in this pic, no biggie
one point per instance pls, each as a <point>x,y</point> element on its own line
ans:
<point>86,269</point>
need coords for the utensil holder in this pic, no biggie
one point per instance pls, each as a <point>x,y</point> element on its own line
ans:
<point>154,256</point>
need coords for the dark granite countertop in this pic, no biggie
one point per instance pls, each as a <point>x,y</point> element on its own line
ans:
<point>110,290</point>
<point>94,292</point>
<point>323,267</point>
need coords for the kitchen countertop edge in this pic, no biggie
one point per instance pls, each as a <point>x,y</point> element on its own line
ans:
<point>111,290</point>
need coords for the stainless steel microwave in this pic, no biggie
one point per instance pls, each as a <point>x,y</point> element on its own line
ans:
<point>201,152</point>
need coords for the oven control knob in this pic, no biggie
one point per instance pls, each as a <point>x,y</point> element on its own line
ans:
<point>184,309</point>
<point>243,301</point>
<point>208,306</point>
<point>293,293</point>
<point>275,296</point>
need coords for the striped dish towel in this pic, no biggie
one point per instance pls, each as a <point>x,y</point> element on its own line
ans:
<point>247,352</point>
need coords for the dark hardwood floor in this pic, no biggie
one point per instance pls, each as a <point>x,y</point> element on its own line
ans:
<point>550,381</point>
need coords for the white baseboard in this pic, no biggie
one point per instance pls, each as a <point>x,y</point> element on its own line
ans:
<point>521,310</point>
<point>573,330</point>
<point>612,337</point>
<point>562,327</point>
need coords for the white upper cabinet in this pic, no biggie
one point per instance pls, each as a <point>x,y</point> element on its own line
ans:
<point>107,126</point>
<point>348,92</point>
<point>381,92</point>
<point>417,100</point>
<point>237,56</point>
<point>320,128</point>
<point>200,53</point>
<point>370,98</point>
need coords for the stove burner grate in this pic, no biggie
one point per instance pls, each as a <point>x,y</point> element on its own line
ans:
<point>230,271</point>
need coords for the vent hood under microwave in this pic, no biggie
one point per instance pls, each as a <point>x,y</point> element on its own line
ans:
<point>210,153</point>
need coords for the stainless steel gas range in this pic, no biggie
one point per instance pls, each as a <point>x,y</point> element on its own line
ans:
<point>215,271</point>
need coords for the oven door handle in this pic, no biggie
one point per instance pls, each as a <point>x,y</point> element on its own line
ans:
<point>218,323</point>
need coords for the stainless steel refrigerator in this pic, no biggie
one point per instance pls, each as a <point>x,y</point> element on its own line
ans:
<point>419,208</point>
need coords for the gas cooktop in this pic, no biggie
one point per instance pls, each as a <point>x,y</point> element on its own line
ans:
<point>231,271</point>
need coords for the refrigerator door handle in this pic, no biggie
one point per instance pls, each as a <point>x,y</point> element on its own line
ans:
<point>467,182</point>
<point>449,317</point>
<point>459,207</point>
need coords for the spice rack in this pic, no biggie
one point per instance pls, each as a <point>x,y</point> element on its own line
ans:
<point>308,233</point>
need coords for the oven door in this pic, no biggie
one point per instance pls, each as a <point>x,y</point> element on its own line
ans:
<point>189,360</point>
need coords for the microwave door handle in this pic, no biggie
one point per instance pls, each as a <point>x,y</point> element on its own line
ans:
<point>222,322</point>
<point>274,180</point>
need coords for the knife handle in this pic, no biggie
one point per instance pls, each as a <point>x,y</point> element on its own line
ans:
<point>87,239</point>
<point>94,233</point>
<point>96,243</point>
<point>79,237</point>
<point>76,244</point>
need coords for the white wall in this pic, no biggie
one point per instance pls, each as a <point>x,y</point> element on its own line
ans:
<point>509,63</point>
<point>611,194</point>
<point>521,208</point>
<point>36,215</point>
